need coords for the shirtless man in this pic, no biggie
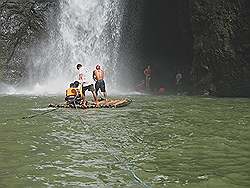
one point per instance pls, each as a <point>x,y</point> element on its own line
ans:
<point>87,84</point>
<point>98,76</point>
<point>147,73</point>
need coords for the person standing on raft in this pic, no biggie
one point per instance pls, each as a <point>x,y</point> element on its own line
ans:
<point>98,76</point>
<point>87,84</point>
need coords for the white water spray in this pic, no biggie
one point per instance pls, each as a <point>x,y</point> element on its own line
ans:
<point>89,33</point>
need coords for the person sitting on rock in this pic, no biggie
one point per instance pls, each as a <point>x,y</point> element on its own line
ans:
<point>162,90</point>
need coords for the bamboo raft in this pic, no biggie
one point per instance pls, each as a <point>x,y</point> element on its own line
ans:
<point>111,103</point>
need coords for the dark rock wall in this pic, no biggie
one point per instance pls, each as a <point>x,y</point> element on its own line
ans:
<point>157,33</point>
<point>130,58</point>
<point>210,39</point>
<point>221,48</point>
<point>23,24</point>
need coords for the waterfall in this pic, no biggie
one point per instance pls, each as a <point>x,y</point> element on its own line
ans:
<point>88,33</point>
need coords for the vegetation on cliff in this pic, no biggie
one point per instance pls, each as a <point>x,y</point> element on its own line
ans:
<point>221,49</point>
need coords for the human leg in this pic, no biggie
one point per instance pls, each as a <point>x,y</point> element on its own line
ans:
<point>146,82</point>
<point>84,97</point>
<point>96,88</point>
<point>94,96</point>
<point>91,88</point>
<point>103,89</point>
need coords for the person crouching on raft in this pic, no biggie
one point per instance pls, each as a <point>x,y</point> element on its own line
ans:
<point>98,76</point>
<point>86,85</point>
<point>73,96</point>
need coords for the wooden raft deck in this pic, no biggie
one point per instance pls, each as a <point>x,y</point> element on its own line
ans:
<point>111,103</point>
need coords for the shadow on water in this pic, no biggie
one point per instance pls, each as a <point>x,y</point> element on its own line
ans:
<point>164,141</point>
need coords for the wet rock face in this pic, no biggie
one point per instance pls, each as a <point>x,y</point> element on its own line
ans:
<point>157,33</point>
<point>23,24</point>
<point>214,38</point>
<point>213,35</point>
<point>221,47</point>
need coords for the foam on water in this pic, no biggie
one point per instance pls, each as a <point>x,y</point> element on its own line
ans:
<point>7,89</point>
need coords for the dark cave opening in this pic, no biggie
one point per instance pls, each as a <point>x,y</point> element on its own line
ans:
<point>167,41</point>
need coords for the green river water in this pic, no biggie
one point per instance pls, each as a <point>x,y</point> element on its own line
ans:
<point>166,141</point>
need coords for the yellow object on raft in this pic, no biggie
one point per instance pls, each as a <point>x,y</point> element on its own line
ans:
<point>71,92</point>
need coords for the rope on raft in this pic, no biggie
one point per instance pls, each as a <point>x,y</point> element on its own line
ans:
<point>40,114</point>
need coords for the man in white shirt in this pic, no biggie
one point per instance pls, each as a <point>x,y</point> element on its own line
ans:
<point>87,84</point>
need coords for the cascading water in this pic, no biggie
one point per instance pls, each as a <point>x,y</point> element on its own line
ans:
<point>89,33</point>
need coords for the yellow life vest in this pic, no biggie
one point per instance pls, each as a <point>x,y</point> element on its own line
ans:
<point>71,92</point>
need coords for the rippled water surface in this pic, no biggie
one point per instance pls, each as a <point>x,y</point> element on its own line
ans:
<point>166,141</point>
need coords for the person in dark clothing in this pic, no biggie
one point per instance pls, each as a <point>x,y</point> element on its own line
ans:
<point>179,82</point>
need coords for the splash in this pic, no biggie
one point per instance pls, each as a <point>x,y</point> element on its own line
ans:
<point>89,33</point>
